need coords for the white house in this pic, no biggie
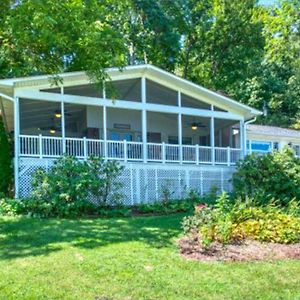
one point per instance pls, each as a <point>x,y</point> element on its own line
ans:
<point>264,139</point>
<point>164,129</point>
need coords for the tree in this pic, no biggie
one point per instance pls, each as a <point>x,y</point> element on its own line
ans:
<point>51,36</point>
<point>5,161</point>
<point>222,39</point>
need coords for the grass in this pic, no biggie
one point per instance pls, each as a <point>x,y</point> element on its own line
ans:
<point>132,258</point>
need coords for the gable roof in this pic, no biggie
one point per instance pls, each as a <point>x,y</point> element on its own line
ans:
<point>273,131</point>
<point>149,71</point>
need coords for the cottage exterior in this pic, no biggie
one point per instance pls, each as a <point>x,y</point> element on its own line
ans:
<point>164,129</point>
<point>263,139</point>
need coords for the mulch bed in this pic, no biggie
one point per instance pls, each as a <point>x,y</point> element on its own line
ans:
<point>191,248</point>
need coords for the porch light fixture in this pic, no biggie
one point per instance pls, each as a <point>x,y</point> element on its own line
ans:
<point>57,114</point>
<point>194,126</point>
<point>52,130</point>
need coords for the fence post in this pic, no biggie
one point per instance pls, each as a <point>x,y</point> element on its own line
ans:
<point>213,155</point>
<point>40,146</point>
<point>228,157</point>
<point>163,152</point>
<point>131,186</point>
<point>156,184</point>
<point>84,148</point>
<point>197,154</point>
<point>125,150</point>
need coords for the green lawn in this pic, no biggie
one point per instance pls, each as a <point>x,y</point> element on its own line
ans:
<point>133,258</point>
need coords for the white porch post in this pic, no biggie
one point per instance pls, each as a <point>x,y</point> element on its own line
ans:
<point>242,139</point>
<point>180,137</point>
<point>105,131</point>
<point>212,139</point>
<point>180,130</point>
<point>144,120</point>
<point>17,148</point>
<point>63,127</point>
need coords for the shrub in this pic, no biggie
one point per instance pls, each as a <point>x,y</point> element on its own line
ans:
<point>268,177</point>
<point>5,161</point>
<point>9,207</point>
<point>103,186</point>
<point>65,189</point>
<point>232,221</point>
<point>163,207</point>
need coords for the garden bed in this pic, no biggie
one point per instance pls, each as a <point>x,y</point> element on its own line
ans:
<point>248,250</point>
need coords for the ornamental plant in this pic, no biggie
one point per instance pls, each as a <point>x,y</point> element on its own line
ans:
<point>267,177</point>
<point>230,221</point>
<point>73,187</point>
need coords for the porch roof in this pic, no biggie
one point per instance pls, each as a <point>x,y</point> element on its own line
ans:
<point>150,72</point>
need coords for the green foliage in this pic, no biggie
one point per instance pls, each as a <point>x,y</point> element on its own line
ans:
<point>169,207</point>
<point>9,207</point>
<point>64,190</point>
<point>5,161</point>
<point>239,47</point>
<point>275,176</point>
<point>231,221</point>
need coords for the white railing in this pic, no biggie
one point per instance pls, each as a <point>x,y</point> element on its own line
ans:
<point>45,146</point>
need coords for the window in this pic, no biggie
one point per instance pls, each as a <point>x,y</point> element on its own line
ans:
<point>297,150</point>
<point>259,146</point>
<point>121,136</point>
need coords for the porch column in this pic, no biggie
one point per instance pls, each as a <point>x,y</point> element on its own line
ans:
<point>180,137</point>
<point>243,141</point>
<point>212,139</point>
<point>63,127</point>
<point>180,130</point>
<point>144,120</point>
<point>105,131</point>
<point>17,148</point>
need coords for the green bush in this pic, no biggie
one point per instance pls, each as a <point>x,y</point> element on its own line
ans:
<point>64,190</point>
<point>230,221</point>
<point>5,161</point>
<point>10,207</point>
<point>163,207</point>
<point>268,177</point>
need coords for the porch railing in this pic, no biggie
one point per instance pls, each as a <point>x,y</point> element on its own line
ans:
<point>51,147</point>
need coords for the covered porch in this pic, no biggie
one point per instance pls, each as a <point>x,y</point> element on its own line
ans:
<point>51,129</point>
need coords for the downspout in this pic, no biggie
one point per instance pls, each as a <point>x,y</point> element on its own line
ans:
<point>245,133</point>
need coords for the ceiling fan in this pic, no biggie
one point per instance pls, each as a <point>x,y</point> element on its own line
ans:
<point>195,125</point>
<point>52,128</point>
<point>58,115</point>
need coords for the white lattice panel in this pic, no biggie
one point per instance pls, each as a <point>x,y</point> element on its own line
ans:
<point>145,183</point>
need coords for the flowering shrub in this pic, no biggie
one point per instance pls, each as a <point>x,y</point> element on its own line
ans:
<point>230,221</point>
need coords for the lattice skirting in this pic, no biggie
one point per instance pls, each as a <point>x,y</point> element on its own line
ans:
<point>145,183</point>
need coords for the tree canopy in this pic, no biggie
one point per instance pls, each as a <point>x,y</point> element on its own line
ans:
<point>248,51</point>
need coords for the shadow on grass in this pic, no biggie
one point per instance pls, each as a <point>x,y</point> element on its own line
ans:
<point>21,237</point>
